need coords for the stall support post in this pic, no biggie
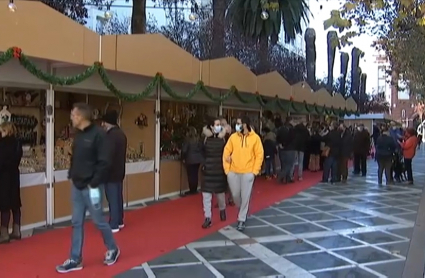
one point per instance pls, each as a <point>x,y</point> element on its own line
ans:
<point>261,120</point>
<point>157,140</point>
<point>50,152</point>
<point>220,109</point>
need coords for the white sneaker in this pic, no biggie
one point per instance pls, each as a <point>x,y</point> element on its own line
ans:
<point>115,231</point>
<point>121,226</point>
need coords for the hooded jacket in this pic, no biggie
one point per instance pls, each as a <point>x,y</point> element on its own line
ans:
<point>215,180</point>
<point>246,153</point>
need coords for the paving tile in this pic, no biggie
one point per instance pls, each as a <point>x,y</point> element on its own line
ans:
<point>213,237</point>
<point>394,203</point>
<point>301,228</point>
<point>410,207</point>
<point>375,198</point>
<point>289,247</point>
<point>348,200</point>
<point>183,271</point>
<point>339,224</point>
<point>312,202</point>
<point>369,205</point>
<point>331,242</point>
<point>373,221</point>
<point>405,232</point>
<point>345,273</point>
<point>329,208</point>
<point>390,210</point>
<point>262,231</point>
<point>390,270</point>
<point>409,216</point>
<point>375,237</point>
<point>317,216</point>
<point>132,273</point>
<point>283,219</point>
<point>219,253</point>
<point>316,261</point>
<point>350,214</point>
<point>298,210</point>
<point>286,204</point>
<point>175,257</point>
<point>242,269</point>
<point>251,221</point>
<point>325,194</point>
<point>399,248</point>
<point>364,255</point>
<point>268,212</point>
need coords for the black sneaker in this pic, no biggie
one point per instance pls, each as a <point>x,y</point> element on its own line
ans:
<point>111,257</point>
<point>223,215</point>
<point>207,223</point>
<point>68,266</point>
<point>241,226</point>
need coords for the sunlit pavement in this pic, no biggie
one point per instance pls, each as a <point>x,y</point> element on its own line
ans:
<point>354,230</point>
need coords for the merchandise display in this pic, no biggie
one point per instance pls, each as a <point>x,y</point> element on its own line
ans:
<point>33,160</point>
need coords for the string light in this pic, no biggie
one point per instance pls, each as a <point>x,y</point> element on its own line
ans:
<point>264,15</point>
<point>12,6</point>
<point>193,17</point>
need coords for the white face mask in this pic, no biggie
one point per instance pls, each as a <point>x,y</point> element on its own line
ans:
<point>238,127</point>
<point>217,128</point>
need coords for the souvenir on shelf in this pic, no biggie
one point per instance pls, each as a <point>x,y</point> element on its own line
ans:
<point>5,115</point>
<point>134,155</point>
<point>33,160</point>
<point>63,151</point>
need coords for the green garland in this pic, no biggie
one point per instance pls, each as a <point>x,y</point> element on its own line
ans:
<point>159,80</point>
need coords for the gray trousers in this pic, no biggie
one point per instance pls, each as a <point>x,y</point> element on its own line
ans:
<point>207,200</point>
<point>241,187</point>
<point>299,160</point>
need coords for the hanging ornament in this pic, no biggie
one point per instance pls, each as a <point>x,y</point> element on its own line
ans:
<point>193,17</point>
<point>107,15</point>
<point>12,6</point>
<point>264,15</point>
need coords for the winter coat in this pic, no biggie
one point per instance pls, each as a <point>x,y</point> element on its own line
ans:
<point>361,143</point>
<point>215,181</point>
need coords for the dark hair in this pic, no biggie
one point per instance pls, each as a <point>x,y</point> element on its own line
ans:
<point>411,131</point>
<point>266,129</point>
<point>211,122</point>
<point>84,109</point>
<point>384,128</point>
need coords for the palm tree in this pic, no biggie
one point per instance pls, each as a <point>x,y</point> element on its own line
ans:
<point>262,20</point>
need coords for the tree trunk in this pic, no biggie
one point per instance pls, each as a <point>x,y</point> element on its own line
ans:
<point>219,11</point>
<point>263,64</point>
<point>138,17</point>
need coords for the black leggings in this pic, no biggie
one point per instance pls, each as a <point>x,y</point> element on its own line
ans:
<point>5,217</point>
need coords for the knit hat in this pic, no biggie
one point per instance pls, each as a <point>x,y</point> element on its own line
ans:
<point>110,117</point>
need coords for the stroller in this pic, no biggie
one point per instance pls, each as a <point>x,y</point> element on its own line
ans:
<point>398,168</point>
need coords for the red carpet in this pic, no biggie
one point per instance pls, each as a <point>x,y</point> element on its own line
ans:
<point>149,233</point>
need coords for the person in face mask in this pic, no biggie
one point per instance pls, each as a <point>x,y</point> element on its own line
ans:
<point>361,148</point>
<point>242,160</point>
<point>215,181</point>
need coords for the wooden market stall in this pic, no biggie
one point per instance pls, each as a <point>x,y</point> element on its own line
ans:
<point>160,91</point>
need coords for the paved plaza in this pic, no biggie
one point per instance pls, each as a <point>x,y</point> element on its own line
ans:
<point>353,230</point>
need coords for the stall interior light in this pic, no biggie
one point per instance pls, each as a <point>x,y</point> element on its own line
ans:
<point>12,6</point>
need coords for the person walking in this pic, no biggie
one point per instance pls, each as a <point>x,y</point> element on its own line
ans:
<point>331,153</point>
<point>302,137</point>
<point>269,144</point>
<point>215,181</point>
<point>385,150</point>
<point>361,148</point>
<point>192,158</point>
<point>117,145</point>
<point>90,163</point>
<point>242,160</point>
<point>285,139</point>
<point>346,153</point>
<point>10,195</point>
<point>409,150</point>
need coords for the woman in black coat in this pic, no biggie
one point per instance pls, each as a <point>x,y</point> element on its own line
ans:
<point>215,181</point>
<point>10,195</point>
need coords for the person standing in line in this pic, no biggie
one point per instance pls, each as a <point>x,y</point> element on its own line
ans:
<point>192,158</point>
<point>285,138</point>
<point>409,150</point>
<point>269,144</point>
<point>302,137</point>
<point>332,152</point>
<point>385,149</point>
<point>361,148</point>
<point>90,163</point>
<point>117,144</point>
<point>315,152</point>
<point>346,153</point>
<point>215,181</point>
<point>10,196</point>
<point>242,160</point>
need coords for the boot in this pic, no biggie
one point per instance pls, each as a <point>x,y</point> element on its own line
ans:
<point>207,223</point>
<point>16,232</point>
<point>4,235</point>
<point>223,215</point>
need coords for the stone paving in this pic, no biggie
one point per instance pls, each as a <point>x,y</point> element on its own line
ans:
<point>353,230</point>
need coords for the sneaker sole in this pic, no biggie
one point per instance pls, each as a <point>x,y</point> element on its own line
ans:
<point>69,270</point>
<point>114,261</point>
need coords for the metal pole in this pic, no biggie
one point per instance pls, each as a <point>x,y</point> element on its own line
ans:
<point>50,149</point>
<point>157,141</point>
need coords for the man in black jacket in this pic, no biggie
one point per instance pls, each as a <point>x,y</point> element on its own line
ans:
<point>385,150</point>
<point>346,153</point>
<point>285,138</point>
<point>332,141</point>
<point>117,145</point>
<point>302,137</point>
<point>89,166</point>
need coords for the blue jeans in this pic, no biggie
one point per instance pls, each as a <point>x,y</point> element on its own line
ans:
<point>287,160</point>
<point>330,166</point>
<point>113,193</point>
<point>80,204</point>
<point>270,165</point>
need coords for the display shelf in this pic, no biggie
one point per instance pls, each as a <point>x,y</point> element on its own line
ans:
<point>32,179</point>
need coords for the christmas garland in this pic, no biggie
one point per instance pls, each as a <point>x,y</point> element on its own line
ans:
<point>159,80</point>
